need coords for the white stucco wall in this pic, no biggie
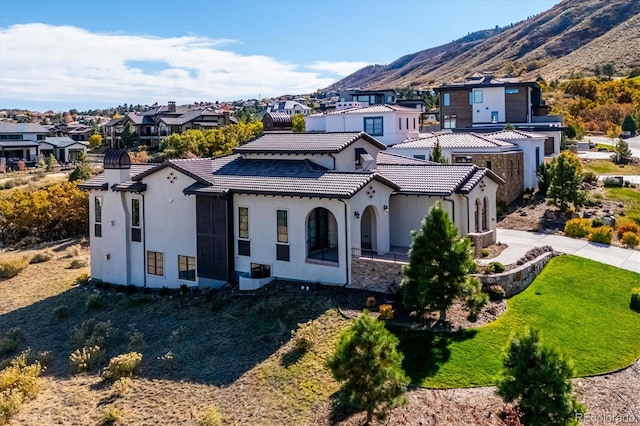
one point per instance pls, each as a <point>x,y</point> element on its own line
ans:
<point>170,224</point>
<point>485,191</point>
<point>406,213</point>
<point>493,100</point>
<point>375,195</point>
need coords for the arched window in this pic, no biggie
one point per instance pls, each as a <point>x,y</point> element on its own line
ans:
<point>485,214</point>
<point>322,236</point>
<point>478,212</point>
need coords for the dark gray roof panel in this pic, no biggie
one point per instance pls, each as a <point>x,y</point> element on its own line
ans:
<point>305,143</point>
<point>117,159</point>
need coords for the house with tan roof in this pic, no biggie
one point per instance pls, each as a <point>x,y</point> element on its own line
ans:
<point>295,206</point>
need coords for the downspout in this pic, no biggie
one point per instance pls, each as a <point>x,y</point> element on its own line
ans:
<point>144,244</point>
<point>334,161</point>
<point>468,215</point>
<point>346,244</point>
<point>127,250</point>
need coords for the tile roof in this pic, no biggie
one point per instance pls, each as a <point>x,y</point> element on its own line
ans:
<point>441,179</point>
<point>63,141</point>
<point>97,182</point>
<point>373,109</point>
<point>514,134</point>
<point>389,158</point>
<point>302,143</point>
<point>6,127</point>
<point>454,140</point>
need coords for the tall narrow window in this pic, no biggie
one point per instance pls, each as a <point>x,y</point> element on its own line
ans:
<point>399,123</point>
<point>537,155</point>
<point>97,226</point>
<point>489,165</point>
<point>414,123</point>
<point>136,232</point>
<point>243,223</point>
<point>283,227</point>
<point>187,268</point>
<point>446,99</point>
<point>155,263</point>
<point>407,122</point>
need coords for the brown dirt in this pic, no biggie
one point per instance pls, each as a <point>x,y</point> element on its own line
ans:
<point>253,397</point>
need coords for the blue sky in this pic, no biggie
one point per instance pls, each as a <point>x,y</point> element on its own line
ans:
<point>61,54</point>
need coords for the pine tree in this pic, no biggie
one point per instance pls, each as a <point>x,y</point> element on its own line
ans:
<point>440,262</point>
<point>370,366</point>
<point>623,153</point>
<point>436,153</point>
<point>566,183</point>
<point>537,378</point>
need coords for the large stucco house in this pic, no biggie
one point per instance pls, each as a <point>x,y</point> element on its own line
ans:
<point>298,206</point>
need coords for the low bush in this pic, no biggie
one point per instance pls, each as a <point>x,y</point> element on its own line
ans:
<point>630,240</point>
<point>386,312</point>
<point>94,333</point>
<point>136,339</point>
<point>84,359</point>
<point>95,301</point>
<point>475,303</point>
<point>110,416</point>
<point>10,341</point>
<point>635,299</point>
<point>603,235</point>
<point>485,252</point>
<point>78,263</point>
<point>12,267</point>
<point>589,177</point>
<point>627,226</point>
<point>371,302</point>
<point>211,417</point>
<point>18,383</point>
<point>168,360</point>
<point>60,312</point>
<point>496,292</point>
<point>42,256</point>
<point>495,268</point>
<point>304,338</point>
<point>121,386</point>
<point>612,183</point>
<point>597,222</point>
<point>122,366</point>
<point>577,228</point>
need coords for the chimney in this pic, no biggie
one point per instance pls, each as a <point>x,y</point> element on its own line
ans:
<point>172,106</point>
<point>117,165</point>
<point>226,120</point>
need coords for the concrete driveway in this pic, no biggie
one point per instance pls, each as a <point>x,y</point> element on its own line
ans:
<point>519,242</point>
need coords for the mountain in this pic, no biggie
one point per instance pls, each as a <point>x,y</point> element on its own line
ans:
<point>572,37</point>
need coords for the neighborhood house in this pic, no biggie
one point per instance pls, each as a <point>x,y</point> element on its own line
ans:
<point>297,206</point>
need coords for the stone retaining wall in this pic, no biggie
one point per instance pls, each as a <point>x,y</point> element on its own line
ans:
<point>516,280</point>
<point>375,274</point>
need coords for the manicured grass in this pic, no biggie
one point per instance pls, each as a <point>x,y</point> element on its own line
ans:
<point>630,197</point>
<point>606,167</point>
<point>580,306</point>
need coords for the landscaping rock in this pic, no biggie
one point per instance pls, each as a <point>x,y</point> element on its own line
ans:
<point>586,186</point>
<point>610,221</point>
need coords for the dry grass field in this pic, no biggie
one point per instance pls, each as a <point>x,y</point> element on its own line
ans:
<point>228,350</point>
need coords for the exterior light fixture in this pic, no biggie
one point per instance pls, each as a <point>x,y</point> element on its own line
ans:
<point>385,208</point>
<point>356,214</point>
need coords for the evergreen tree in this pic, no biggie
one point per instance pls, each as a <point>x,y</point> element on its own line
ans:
<point>566,183</point>
<point>440,262</point>
<point>623,153</point>
<point>544,173</point>
<point>129,136</point>
<point>629,124</point>
<point>509,126</point>
<point>370,366</point>
<point>82,170</point>
<point>537,378</point>
<point>436,153</point>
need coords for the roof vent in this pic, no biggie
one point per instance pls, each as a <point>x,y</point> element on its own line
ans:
<point>117,159</point>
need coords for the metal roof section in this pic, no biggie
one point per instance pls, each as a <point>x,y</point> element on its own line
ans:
<point>305,143</point>
<point>63,141</point>
<point>6,127</point>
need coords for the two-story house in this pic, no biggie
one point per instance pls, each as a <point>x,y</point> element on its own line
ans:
<point>297,206</point>
<point>20,142</point>
<point>484,103</point>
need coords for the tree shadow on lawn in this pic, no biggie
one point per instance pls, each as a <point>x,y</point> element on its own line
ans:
<point>426,351</point>
<point>214,338</point>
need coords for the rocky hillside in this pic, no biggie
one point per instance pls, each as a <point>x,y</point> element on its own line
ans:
<point>572,37</point>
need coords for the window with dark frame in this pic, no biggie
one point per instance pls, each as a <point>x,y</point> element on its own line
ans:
<point>243,223</point>
<point>283,226</point>
<point>374,126</point>
<point>260,271</point>
<point>446,99</point>
<point>97,227</point>
<point>155,263</point>
<point>136,232</point>
<point>449,122</point>
<point>186,268</point>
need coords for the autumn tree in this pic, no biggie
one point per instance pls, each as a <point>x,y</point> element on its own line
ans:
<point>95,140</point>
<point>439,268</point>
<point>297,122</point>
<point>368,362</point>
<point>566,183</point>
<point>537,379</point>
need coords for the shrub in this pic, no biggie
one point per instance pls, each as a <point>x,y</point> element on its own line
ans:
<point>630,240</point>
<point>78,263</point>
<point>177,335</point>
<point>60,312</point>
<point>597,222</point>
<point>42,256</point>
<point>211,417</point>
<point>485,252</point>
<point>371,302</point>
<point>627,226</point>
<point>577,228</point>
<point>635,299</point>
<point>85,359</point>
<point>95,301</point>
<point>110,416</point>
<point>304,338</point>
<point>589,177</point>
<point>496,292</point>
<point>603,235</point>
<point>12,267</point>
<point>475,303</point>
<point>121,386</point>
<point>18,383</point>
<point>94,333</point>
<point>10,341</point>
<point>168,360</point>
<point>386,312</point>
<point>495,268</point>
<point>136,339</point>
<point>501,208</point>
<point>612,183</point>
<point>122,366</point>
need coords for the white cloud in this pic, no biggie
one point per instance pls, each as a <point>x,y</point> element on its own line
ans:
<point>342,68</point>
<point>66,64</point>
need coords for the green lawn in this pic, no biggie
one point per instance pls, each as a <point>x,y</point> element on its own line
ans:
<point>630,197</point>
<point>580,306</point>
<point>606,167</point>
